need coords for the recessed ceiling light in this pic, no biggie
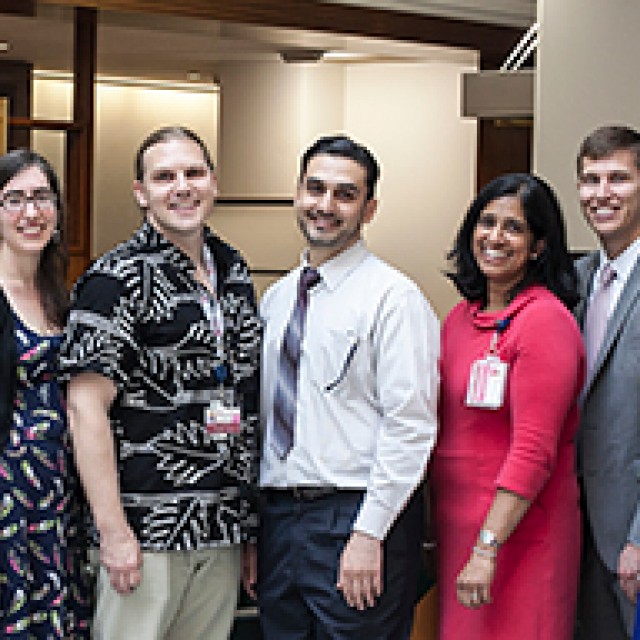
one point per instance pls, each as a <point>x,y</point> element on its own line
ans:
<point>345,55</point>
<point>4,46</point>
<point>194,76</point>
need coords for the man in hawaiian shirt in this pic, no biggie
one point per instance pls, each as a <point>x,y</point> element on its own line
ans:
<point>162,353</point>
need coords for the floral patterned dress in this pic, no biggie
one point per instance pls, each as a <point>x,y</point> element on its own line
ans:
<point>43,587</point>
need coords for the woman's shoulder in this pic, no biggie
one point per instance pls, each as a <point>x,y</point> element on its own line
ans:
<point>544,302</point>
<point>458,316</point>
<point>545,312</point>
<point>459,310</point>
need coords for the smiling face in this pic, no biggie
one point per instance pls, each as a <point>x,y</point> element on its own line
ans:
<point>609,191</point>
<point>331,205</point>
<point>29,215</point>
<point>177,190</point>
<point>502,245</point>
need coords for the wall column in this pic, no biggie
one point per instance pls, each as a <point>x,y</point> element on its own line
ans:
<point>79,159</point>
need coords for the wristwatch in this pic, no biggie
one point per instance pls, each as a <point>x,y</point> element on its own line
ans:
<point>488,538</point>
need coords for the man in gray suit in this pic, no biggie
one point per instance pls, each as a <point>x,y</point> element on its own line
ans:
<point>609,439</point>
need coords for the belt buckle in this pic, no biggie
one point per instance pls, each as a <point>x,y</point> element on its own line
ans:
<point>308,494</point>
<point>298,493</point>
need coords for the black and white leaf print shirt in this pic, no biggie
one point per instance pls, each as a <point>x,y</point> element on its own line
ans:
<point>137,319</point>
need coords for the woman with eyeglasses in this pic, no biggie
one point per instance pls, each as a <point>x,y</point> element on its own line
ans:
<point>42,593</point>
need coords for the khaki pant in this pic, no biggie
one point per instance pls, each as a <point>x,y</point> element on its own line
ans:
<point>183,595</point>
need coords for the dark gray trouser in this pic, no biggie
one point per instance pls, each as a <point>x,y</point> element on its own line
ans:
<point>300,547</point>
<point>604,611</point>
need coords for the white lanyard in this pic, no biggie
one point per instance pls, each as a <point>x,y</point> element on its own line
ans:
<point>209,301</point>
<point>222,418</point>
<point>488,375</point>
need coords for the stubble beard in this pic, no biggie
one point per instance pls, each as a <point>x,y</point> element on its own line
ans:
<point>343,237</point>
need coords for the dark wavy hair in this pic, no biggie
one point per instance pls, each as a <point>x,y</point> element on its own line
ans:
<point>553,267</point>
<point>344,147</point>
<point>52,267</point>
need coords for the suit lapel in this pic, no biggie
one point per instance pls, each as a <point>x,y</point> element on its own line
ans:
<point>586,270</point>
<point>625,303</point>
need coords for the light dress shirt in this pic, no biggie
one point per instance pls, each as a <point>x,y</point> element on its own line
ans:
<point>623,266</point>
<point>368,386</point>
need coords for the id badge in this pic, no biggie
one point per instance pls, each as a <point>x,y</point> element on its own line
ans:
<point>487,382</point>
<point>222,416</point>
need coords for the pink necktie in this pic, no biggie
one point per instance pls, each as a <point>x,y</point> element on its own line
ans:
<point>595,322</point>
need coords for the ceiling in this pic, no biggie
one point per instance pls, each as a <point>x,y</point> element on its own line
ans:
<point>517,13</point>
<point>169,47</point>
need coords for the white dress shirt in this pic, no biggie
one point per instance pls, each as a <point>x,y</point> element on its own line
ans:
<point>368,386</point>
<point>623,266</point>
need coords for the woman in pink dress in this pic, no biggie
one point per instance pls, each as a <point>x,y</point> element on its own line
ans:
<point>505,491</point>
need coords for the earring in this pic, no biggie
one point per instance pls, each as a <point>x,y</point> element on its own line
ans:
<point>55,236</point>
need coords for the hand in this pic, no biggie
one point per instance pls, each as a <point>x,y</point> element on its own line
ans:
<point>249,570</point>
<point>629,570</point>
<point>121,556</point>
<point>473,586</point>
<point>360,571</point>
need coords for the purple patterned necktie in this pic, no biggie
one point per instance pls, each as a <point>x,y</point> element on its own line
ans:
<point>285,399</point>
<point>595,322</point>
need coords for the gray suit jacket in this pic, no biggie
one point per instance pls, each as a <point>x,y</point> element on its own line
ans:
<point>609,436</point>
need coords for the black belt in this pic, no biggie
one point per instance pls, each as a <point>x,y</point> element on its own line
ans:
<point>305,493</point>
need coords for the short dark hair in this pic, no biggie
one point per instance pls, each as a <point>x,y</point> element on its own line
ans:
<point>552,268</point>
<point>347,148</point>
<point>52,267</point>
<point>606,140</point>
<point>164,135</point>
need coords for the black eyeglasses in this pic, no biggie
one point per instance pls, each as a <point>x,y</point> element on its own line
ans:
<point>16,201</point>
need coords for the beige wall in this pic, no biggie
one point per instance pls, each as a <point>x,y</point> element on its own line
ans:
<point>586,77</point>
<point>269,112</point>
<point>408,113</point>
<point>138,111</point>
<point>51,99</point>
<point>125,115</point>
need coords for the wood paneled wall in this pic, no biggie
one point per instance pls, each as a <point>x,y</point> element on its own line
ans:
<point>15,84</point>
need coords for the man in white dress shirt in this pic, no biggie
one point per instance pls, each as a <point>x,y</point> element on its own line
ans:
<point>342,507</point>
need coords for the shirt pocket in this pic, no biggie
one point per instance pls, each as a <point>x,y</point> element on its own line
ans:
<point>337,365</point>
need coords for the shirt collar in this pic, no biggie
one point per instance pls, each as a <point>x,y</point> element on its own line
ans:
<point>148,236</point>
<point>335,270</point>
<point>624,263</point>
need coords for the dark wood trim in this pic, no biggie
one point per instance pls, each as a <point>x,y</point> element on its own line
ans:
<point>255,202</point>
<point>504,146</point>
<point>18,7</point>
<point>493,41</point>
<point>79,159</point>
<point>48,125</point>
<point>15,84</point>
